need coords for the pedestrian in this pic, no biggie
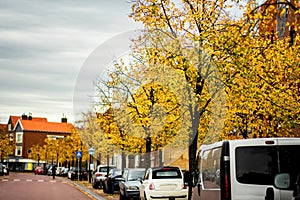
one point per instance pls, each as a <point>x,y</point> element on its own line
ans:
<point>53,171</point>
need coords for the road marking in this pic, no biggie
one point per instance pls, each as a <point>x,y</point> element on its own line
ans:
<point>31,180</point>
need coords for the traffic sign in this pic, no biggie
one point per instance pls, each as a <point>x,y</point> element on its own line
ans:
<point>78,154</point>
<point>91,151</point>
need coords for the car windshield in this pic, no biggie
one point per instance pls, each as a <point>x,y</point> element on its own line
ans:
<point>166,173</point>
<point>115,172</point>
<point>104,169</point>
<point>135,175</point>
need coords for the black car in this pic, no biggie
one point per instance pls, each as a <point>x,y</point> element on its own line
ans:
<point>111,183</point>
<point>83,174</point>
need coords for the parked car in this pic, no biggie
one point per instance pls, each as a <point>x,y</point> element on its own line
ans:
<point>38,170</point>
<point>163,183</point>
<point>100,175</point>
<point>64,172</point>
<point>5,170</point>
<point>49,172</point>
<point>58,171</point>
<point>1,170</point>
<point>111,183</point>
<point>70,172</point>
<point>131,182</point>
<point>74,174</point>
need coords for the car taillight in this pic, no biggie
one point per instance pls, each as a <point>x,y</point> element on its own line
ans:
<point>184,186</point>
<point>98,174</point>
<point>151,186</point>
<point>226,186</point>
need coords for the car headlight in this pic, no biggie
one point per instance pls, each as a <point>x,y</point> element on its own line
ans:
<point>133,188</point>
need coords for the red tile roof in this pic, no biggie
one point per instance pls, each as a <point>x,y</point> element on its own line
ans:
<point>45,126</point>
<point>14,119</point>
<point>3,126</point>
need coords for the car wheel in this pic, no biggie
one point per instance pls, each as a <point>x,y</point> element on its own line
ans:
<point>122,197</point>
<point>112,189</point>
<point>104,188</point>
<point>95,185</point>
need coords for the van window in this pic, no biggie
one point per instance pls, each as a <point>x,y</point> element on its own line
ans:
<point>260,164</point>
<point>211,168</point>
<point>289,162</point>
<point>256,165</point>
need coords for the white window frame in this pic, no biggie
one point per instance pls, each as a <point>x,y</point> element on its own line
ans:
<point>18,148</point>
<point>19,137</point>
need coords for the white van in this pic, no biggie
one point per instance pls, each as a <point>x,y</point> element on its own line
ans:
<point>252,169</point>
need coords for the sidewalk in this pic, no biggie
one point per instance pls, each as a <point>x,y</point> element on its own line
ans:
<point>87,188</point>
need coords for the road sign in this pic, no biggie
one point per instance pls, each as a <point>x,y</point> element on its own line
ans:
<point>78,154</point>
<point>91,151</point>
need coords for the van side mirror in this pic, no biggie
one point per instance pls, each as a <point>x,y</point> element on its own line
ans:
<point>282,181</point>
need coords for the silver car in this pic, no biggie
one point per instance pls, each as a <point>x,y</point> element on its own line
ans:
<point>131,182</point>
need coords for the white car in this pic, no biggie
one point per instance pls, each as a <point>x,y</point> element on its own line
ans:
<point>100,175</point>
<point>163,183</point>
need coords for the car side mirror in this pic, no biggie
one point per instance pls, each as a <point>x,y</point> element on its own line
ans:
<point>122,179</point>
<point>140,179</point>
<point>282,181</point>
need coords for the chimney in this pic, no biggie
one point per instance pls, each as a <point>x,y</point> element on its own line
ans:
<point>30,116</point>
<point>24,117</point>
<point>64,120</point>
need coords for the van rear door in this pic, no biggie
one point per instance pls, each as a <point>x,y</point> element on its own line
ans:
<point>289,163</point>
<point>253,168</point>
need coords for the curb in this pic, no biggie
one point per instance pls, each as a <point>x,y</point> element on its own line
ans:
<point>95,196</point>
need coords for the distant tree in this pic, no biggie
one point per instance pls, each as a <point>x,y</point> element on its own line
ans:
<point>5,145</point>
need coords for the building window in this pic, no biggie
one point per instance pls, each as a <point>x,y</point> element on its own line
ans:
<point>19,138</point>
<point>18,151</point>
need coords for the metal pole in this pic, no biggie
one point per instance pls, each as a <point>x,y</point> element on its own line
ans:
<point>90,172</point>
<point>78,169</point>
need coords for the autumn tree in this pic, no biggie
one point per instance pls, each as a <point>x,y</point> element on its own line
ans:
<point>257,68</point>
<point>93,136</point>
<point>5,144</point>
<point>141,108</point>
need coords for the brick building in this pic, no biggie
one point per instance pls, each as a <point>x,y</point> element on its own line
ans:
<point>283,18</point>
<point>27,131</point>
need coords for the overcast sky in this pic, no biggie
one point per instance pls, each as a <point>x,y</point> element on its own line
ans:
<point>43,45</point>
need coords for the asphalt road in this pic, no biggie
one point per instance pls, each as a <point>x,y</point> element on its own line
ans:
<point>23,186</point>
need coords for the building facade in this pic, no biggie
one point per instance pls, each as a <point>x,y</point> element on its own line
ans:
<point>27,131</point>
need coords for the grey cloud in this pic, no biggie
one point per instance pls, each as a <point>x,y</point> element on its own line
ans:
<point>43,45</point>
